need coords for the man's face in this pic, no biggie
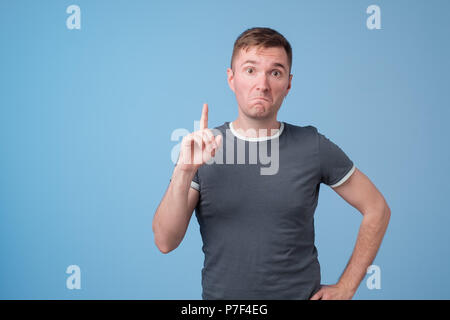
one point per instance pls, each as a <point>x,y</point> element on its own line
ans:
<point>260,79</point>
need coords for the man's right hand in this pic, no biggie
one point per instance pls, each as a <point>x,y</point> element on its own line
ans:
<point>199,146</point>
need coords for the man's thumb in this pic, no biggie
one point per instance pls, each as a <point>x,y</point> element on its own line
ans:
<point>317,296</point>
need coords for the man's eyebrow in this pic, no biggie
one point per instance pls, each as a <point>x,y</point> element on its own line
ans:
<point>275,64</point>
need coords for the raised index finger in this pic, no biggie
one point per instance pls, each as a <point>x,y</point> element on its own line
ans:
<point>204,118</point>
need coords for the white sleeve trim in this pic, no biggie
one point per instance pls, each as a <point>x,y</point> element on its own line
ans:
<point>195,185</point>
<point>344,178</point>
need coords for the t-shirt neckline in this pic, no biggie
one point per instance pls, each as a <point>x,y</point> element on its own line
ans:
<point>253,139</point>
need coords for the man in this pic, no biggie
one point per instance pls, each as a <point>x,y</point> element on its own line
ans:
<point>257,228</point>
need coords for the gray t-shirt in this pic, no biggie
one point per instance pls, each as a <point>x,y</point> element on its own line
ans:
<point>258,228</point>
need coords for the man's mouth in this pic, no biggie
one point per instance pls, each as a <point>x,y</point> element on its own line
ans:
<point>261,98</point>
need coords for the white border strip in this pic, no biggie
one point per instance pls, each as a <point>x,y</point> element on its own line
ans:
<point>344,178</point>
<point>195,185</point>
<point>233,131</point>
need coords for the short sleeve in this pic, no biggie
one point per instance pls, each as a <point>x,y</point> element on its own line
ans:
<point>335,165</point>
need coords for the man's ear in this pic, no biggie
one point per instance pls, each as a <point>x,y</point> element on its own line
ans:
<point>289,84</point>
<point>230,78</point>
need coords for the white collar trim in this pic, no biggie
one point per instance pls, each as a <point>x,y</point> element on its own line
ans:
<point>276,135</point>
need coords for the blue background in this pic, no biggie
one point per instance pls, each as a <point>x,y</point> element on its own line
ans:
<point>86,118</point>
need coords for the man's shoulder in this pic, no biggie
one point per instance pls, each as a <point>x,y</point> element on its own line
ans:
<point>294,129</point>
<point>221,128</point>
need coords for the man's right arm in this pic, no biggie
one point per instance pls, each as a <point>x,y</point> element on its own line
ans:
<point>175,210</point>
<point>172,217</point>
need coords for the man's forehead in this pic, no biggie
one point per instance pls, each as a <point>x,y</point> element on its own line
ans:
<point>277,54</point>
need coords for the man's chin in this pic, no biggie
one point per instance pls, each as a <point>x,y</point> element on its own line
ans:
<point>258,114</point>
<point>258,109</point>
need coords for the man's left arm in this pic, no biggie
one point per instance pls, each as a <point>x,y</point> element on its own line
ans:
<point>362,194</point>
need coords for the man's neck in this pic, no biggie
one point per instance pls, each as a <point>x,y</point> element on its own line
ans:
<point>256,128</point>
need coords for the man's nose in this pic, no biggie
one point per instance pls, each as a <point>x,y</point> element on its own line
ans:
<point>262,82</point>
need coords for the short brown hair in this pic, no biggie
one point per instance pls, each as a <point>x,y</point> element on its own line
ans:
<point>261,37</point>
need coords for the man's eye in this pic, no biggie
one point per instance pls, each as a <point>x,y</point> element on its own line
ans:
<point>276,73</point>
<point>249,70</point>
